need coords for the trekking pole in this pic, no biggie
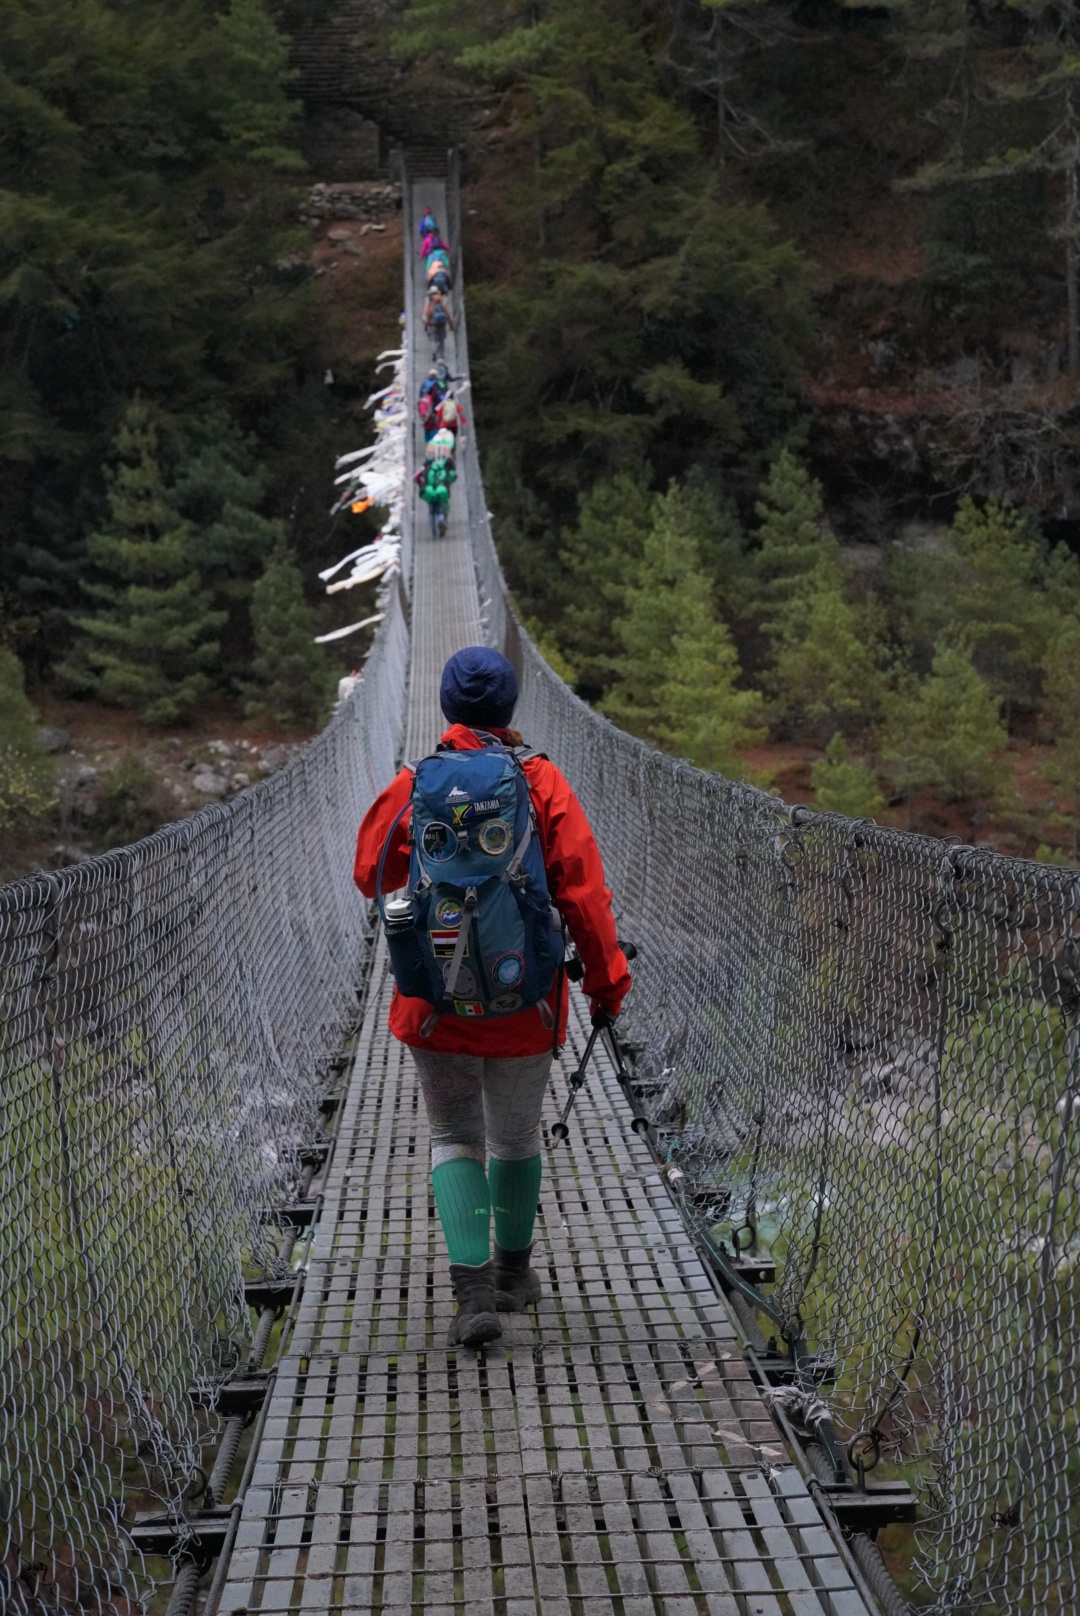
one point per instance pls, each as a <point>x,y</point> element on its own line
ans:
<point>559,1130</point>
<point>603,1026</point>
<point>640,1124</point>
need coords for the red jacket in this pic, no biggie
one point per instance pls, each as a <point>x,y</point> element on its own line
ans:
<point>575,879</point>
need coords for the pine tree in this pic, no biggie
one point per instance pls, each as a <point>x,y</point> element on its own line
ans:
<point>1002,603</point>
<point>597,558</point>
<point>945,733</point>
<point>152,644</point>
<point>27,774</point>
<point>823,667</point>
<point>1061,710</point>
<point>844,786</point>
<point>706,717</point>
<point>676,678</point>
<point>145,210</point>
<point>292,682</point>
<point>796,553</point>
<point>990,582</point>
<point>217,487</point>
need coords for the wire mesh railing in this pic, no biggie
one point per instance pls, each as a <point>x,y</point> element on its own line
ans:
<point>865,1046</point>
<point>170,1010</point>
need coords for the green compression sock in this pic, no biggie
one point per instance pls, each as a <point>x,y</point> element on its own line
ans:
<point>515,1186</point>
<point>461,1195</point>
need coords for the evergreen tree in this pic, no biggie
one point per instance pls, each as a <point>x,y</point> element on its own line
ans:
<point>598,558</point>
<point>823,668</point>
<point>991,582</point>
<point>676,678</point>
<point>822,663</point>
<point>152,644</point>
<point>1008,593</point>
<point>143,219</point>
<point>292,684</point>
<point>27,774</point>
<point>217,487</point>
<point>796,553</point>
<point>845,786</point>
<point>1061,709</point>
<point>944,733</point>
<point>658,322</point>
<point>706,717</point>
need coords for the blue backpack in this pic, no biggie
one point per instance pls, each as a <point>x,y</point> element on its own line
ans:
<point>476,934</point>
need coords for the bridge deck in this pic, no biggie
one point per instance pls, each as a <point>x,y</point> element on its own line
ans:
<point>609,1454</point>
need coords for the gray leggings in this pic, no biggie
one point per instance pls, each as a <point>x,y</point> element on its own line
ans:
<point>478,1106</point>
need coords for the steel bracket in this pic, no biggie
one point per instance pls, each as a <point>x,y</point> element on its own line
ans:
<point>882,1503</point>
<point>314,1153</point>
<point>165,1536</point>
<point>243,1396</point>
<point>260,1293</point>
<point>298,1215</point>
<point>755,1270</point>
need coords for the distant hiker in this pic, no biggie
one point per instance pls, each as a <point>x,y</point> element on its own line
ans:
<point>440,256</point>
<point>450,415</point>
<point>439,278</point>
<point>437,319</point>
<point>433,242</point>
<point>432,393</point>
<point>428,225</point>
<point>434,479</point>
<point>480,997</point>
<point>441,445</point>
<point>433,388</point>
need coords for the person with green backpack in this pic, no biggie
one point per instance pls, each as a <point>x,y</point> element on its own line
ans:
<point>495,856</point>
<point>434,479</point>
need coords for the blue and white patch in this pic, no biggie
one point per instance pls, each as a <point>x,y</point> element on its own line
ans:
<point>508,970</point>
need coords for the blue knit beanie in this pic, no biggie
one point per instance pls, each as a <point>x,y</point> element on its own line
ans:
<point>479,688</point>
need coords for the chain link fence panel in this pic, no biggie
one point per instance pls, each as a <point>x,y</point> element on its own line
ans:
<point>170,1011</point>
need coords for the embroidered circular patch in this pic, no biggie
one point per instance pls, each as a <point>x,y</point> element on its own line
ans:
<point>508,970</point>
<point>495,837</point>
<point>448,912</point>
<point>504,1003</point>
<point>438,841</point>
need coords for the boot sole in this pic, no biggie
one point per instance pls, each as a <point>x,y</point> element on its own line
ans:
<point>477,1330</point>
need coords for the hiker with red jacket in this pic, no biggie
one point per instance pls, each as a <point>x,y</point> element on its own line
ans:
<point>487,835</point>
<point>449,414</point>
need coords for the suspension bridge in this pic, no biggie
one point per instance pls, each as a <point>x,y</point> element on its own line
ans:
<point>809,1270</point>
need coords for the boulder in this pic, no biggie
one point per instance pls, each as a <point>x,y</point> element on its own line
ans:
<point>210,783</point>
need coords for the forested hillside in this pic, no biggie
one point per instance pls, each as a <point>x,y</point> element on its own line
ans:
<point>774,316</point>
<point>776,362</point>
<point>167,433</point>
